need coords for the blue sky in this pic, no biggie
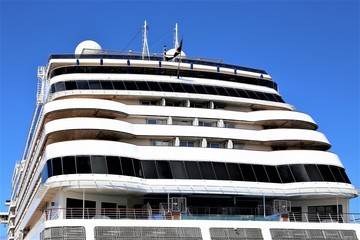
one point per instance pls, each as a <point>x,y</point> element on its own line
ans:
<point>310,48</point>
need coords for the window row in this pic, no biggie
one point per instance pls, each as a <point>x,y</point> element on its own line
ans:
<point>151,169</point>
<point>164,71</point>
<point>163,87</point>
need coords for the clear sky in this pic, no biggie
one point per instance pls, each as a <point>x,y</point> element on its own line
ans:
<point>310,48</point>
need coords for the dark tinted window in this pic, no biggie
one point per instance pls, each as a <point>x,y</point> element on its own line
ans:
<point>177,87</point>
<point>83,164</point>
<point>248,172</point>
<point>163,168</point>
<point>119,85</point>
<point>59,86</point>
<point>127,166</point>
<point>221,171</point>
<point>189,88</point>
<point>106,85</point>
<point>154,86</point>
<point>234,172</point>
<point>343,173</point>
<point>113,165</point>
<point>149,169</point>
<point>252,94</point>
<point>313,172</point>
<point>222,91</point>
<point>94,84</point>
<point>178,169</point>
<point>192,170</point>
<point>299,173</point>
<point>70,85</point>
<point>130,85</point>
<point>82,84</point>
<point>137,168</point>
<point>285,174</point>
<point>211,90</point>
<point>326,173</point>
<point>49,168</point>
<point>69,165</point>
<point>143,86</point>
<point>200,89</point>
<point>57,166</point>
<point>260,173</point>
<point>337,174</point>
<point>232,92</point>
<point>166,87</point>
<point>98,164</point>
<point>242,93</point>
<point>273,174</point>
<point>207,170</point>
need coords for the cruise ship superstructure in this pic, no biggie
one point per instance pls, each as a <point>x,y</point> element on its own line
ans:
<point>166,146</point>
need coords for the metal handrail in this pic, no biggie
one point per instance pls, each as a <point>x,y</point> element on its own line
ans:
<point>149,213</point>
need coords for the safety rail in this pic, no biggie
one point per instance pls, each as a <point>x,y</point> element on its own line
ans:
<point>164,214</point>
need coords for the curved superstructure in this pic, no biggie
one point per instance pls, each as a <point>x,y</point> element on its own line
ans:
<point>121,137</point>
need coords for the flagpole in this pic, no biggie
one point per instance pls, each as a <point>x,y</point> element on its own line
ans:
<point>178,70</point>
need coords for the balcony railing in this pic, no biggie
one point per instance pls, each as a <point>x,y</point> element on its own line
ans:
<point>162,214</point>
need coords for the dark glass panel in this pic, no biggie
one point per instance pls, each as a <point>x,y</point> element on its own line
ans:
<point>234,171</point>
<point>207,170</point>
<point>163,168</point>
<point>82,84</point>
<point>52,88</point>
<point>189,88</point>
<point>113,165</point>
<point>178,169</point>
<point>154,86</point>
<point>273,174</point>
<point>260,173</point>
<point>137,168</point>
<point>166,87</point>
<point>109,209</point>
<point>248,172</point>
<point>242,93</point>
<point>192,170</point>
<point>49,168</point>
<point>299,173</point>
<point>74,209</point>
<point>285,174</point>
<point>326,173</point>
<point>143,86</point>
<point>130,85</point>
<point>313,173</point>
<point>57,166</point>
<point>271,97</point>
<point>278,98</point>
<point>211,90</point>
<point>337,174</point>
<point>149,169</point>
<point>70,85</point>
<point>119,85</point>
<point>106,85</point>
<point>94,84</point>
<point>83,164</point>
<point>222,91</point>
<point>178,87</point>
<point>98,164</point>
<point>60,86</point>
<point>221,171</point>
<point>252,94</point>
<point>343,173</point>
<point>232,92</point>
<point>45,173</point>
<point>200,89</point>
<point>262,96</point>
<point>127,166</point>
<point>69,165</point>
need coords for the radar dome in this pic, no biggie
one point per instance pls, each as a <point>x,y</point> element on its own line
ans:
<point>87,47</point>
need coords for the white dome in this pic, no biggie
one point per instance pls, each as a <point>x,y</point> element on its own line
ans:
<point>171,52</point>
<point>87,47</point>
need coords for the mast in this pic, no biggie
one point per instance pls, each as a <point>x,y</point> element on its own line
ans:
<point>145,47</point>
<point>176,37</point>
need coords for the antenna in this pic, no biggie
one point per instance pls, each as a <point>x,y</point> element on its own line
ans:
<point>176,37</point>
<point>145,47</point>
